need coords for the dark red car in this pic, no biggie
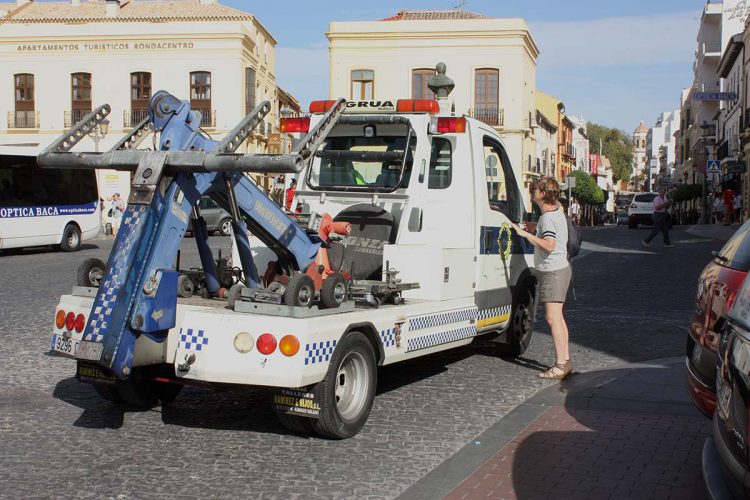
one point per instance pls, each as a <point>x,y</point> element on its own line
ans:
<point>717,290</point>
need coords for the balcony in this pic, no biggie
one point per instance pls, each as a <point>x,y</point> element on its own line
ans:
<point>568,150</point>
<point>132,117</point>
<point>208,117</point>
<point>710,49</point>
<point>489,115</point>
<point>74,116</point>
<point>23,119</point>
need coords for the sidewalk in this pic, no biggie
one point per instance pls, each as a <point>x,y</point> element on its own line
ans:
<point>713,231</point>
<point>629,432</point>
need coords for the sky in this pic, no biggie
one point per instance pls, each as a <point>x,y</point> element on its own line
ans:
<point>613,62</point>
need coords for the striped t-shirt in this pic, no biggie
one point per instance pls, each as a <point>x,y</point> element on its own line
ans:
<point>552,224</point>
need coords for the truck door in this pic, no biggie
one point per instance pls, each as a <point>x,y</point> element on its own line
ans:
<point>500,251</point>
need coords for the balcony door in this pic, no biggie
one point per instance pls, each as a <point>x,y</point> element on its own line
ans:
<point>24,93</point>
<point>200,95</point>
<point>486,96</point>
<point>140,93</point>
<point>80,97</point>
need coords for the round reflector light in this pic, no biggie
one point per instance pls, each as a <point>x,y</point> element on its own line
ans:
<point>80,323</point>
<point>289,345</point>
<point>266,343</point>
<point>70,321</point>
<point>60,319</point>
<point>243,342</point>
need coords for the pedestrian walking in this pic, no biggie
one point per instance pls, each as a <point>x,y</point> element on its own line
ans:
<point>116,209</point>
<point>737,207</point>
<point>718,208</point>
<point>575,210</point>
<point>661,220</point>
<point>727,196</point>
<point>290,194</point>
<point>551,268</point>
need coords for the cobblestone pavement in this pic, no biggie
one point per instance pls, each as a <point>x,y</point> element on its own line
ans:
<point>57,438</point>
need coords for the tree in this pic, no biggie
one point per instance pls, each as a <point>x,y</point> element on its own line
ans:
<point>617,145</point>
<point>586,190</point>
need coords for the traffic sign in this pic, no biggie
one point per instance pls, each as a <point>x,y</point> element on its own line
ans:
<point>715,96</point>
<point>713,166</point>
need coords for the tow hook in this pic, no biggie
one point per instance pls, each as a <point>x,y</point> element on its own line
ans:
<point>189,360</point>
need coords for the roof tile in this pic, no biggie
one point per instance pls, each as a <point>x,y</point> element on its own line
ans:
<point>433,15</point>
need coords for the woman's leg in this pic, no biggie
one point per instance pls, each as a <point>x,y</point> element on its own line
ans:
<point>553,312</point>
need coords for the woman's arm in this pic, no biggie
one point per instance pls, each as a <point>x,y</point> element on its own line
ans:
<point>546,244</point>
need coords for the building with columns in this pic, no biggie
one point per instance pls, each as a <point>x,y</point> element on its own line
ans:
<point>61,59</point>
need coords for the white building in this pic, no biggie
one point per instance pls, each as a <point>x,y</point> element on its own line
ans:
<point>640,136</point>
<point>62,59</point>
<point>731,71</point>
<point>492,62</point>
<point>660,149</point>
<point>580,144</point>
<point>546,144</point>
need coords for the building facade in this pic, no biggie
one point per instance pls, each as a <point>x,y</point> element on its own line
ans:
<point>60,60</point>
<point>660,151</point>
<point>491,61</point>
<point>580,144</point>
<point>640,135</point>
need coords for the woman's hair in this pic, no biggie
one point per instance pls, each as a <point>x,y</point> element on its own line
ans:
<point>549,188</point>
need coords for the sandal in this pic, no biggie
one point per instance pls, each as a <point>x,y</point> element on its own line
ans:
<point>557,372</point>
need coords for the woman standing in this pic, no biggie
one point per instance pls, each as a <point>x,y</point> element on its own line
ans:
<point>552,269</point>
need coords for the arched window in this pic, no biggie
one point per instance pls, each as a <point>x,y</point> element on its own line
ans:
<point>419,79</point>
<point>200,96</point>
<point>140,93</point>
<point>24,92</point>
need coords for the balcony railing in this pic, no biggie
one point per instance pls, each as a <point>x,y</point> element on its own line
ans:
<point>208,117</point>
<point>74,116</point>
<point>132,117</point>
<point>23,119</point>
<point>489,115</point>
<point>568,150</point>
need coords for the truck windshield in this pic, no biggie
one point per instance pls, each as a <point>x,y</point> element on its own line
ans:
<point>366,163</point>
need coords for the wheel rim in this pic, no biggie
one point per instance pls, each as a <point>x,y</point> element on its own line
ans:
<point>522,320</point>
<point>95,276</point>
<point>339,292</point>
<point>226,227</point>
<point>72,239</point>
<point>304,296</point>
<point>352,385</point>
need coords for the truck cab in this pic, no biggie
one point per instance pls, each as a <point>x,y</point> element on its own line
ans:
<point>429,200</point>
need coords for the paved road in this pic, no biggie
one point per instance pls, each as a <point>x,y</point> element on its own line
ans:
<point>57,438</point>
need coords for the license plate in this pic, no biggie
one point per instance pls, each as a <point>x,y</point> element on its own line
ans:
<point>91,351</point>
<point>64,345</point>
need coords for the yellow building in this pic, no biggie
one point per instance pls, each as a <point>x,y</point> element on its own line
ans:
<point>554,110</point>
<point>491,60</point>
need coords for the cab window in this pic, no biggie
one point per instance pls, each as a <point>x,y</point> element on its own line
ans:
<point>502,191</point>
<point>441,164</point>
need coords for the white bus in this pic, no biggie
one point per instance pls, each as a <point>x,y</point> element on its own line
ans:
<point>45,206</point>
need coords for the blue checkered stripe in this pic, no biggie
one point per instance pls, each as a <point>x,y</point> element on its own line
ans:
<point>388,337</point>
<point>317,352</point>
<point>115,278</point>
<point>494,312</point>
<point>192,340</point>
<point>440,338</point>
<point>440,319</point>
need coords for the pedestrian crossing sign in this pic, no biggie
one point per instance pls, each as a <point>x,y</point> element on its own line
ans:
<point>713,166</point>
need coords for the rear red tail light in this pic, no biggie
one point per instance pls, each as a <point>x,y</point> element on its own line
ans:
<point>451,125</point>
<point>290,125</point>
<point>633,205</point>
<point>266,343</point>
<point>80,323</point>
<point>60,319</point>
<point>70,321</point>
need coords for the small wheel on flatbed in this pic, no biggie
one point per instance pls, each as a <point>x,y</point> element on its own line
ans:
<point>295,423</point>
<point>185,286</point>
<point>90,273</point>
<point>333,293</point>
<point>300,291</point>
<point>521,325</point>
<point>348,390</point>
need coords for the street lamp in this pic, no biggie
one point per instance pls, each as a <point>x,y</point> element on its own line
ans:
<point>99,133</point>
<point>705,217</point>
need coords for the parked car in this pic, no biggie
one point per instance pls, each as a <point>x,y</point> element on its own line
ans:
<point>217,219</point>
<point>718,285</point>
<point>641,210</point>
<point>622,217</point>
<point>725,459</point>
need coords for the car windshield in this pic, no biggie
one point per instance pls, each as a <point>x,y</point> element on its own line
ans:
<point>363,163</point>
<point>736,251</point>
<point>644,198</point>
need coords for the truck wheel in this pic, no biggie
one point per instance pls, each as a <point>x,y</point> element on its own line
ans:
<point>71,239</point>
<point>185,286</point>
<point>300,291</point>
<point>295,423</point>
<point>521,325</point>
<point>108,392</point>
<point>90,273</point>
<point>146,393</point>
<point>348,390</point>
<point>333,292</point>
<point>225,227</point>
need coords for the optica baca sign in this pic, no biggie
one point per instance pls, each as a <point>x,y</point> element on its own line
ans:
<point>46,211</point>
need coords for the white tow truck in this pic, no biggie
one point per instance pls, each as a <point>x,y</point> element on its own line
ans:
<point>431,263</point>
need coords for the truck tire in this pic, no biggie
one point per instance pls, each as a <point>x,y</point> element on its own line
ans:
<point>71,239</point>
<point>90,273</point>
<point>146,393</point>
<point>185,286</point>
<point>521,325</point>
<point>348,390</point>
<point>108,392</point>
<point>295,423</point>
<point>300,291</point>
<point>333,292</point>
